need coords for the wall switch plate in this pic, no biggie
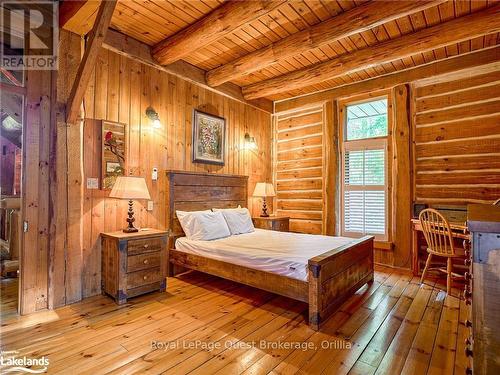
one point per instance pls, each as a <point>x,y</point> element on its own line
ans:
<point>154,174</point>
<point>150,205</point>
<point>92,183</point>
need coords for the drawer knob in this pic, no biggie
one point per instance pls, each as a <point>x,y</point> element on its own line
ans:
<point>467,262</point>
<point>468,301</point>
<point>145,261</point>
<point>146,246</point>
<point>468,323</point>
<point>145,278</point>
<point>468,352</point>
<point>468,276</point>
<point>468,341</point>
<point>467,293</point>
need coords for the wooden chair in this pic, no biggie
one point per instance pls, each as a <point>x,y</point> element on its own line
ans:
<point>439,239</point>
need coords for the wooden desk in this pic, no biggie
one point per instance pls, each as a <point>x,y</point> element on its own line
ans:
<point>459,231</point>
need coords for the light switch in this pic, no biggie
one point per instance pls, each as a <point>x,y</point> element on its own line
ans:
<point>92,183</point>
<point>150,205</point>
<point>154,174</point>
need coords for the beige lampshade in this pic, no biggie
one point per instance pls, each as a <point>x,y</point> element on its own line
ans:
<point>264,189</point>
<point>130,188</point>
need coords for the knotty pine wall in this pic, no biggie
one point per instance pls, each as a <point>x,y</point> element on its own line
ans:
<point>120,90</point>
<point>457,140</point>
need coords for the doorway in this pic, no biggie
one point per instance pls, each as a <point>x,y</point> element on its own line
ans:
<point>12,99</point>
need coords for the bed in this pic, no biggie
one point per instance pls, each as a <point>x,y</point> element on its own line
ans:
<point>325,274</point>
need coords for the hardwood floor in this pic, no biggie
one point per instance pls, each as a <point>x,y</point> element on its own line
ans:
<point>206,325</point>
<point>8,297</point>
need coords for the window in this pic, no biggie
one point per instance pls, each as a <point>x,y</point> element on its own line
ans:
<point>364,169</point>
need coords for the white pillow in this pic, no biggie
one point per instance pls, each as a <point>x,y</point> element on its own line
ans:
<point>203,225</point>
<point>238,220</point>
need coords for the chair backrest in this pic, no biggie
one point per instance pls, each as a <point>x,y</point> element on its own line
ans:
<point>437,232</point>
<point>497,202</point>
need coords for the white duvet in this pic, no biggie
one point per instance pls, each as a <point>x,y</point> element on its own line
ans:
<point>282,253</point>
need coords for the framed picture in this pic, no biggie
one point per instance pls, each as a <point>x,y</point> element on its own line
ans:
<point>209,134</point>
<point>113,153</point>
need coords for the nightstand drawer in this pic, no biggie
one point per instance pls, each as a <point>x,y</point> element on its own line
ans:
<point>139,278</point>
<point>144,245</point>
<point>278,223</point>
<point>143,261</point>
<point>281,226</point>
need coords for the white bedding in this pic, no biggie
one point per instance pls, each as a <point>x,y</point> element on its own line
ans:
<point>282,253</point>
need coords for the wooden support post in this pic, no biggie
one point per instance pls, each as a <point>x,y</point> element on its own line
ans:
<point>401,177</point>
<point>330,167</point>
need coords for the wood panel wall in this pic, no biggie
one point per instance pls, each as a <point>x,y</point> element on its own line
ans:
<point>457,139</point>
<point>120,90</point>
<point>299,163</point>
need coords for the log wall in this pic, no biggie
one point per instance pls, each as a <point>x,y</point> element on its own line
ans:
<point>299,166</point>
<point>457,139</point>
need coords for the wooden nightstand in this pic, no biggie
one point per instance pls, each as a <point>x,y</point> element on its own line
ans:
<point>278,223</point>
<point>133,263</point>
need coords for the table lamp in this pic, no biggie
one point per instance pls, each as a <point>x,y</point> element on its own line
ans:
<point>130,188</point>
<point>264,190</point>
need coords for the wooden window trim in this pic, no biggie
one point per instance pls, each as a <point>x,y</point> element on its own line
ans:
<point>342,116</point>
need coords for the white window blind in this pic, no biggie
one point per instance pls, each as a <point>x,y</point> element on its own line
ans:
<point>364,191</point>
<point>364,188</point>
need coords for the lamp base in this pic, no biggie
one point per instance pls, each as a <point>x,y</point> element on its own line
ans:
<point>264,208</point>
<point>130,219</point>
<point>130,230</point>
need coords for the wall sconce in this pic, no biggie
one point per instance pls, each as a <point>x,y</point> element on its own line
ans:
<point>153,116</point>
<point>250,143</point>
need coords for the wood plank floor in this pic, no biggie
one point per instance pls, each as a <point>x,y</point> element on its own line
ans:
<point>8,296</point>
<point>206,325</point>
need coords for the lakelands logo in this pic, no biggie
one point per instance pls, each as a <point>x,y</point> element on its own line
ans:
<point>30,35</point>
<point>10,363</point>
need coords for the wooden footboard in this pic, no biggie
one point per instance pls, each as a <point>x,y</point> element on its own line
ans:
<point>336,275</point>
<point>282,285</point>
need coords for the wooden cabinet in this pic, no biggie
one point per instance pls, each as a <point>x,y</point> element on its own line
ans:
<point>482,289</point>
<point>133,263</point>
<point>278,223</point>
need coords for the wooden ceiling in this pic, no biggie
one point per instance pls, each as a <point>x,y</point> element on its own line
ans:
<point>153,21</point>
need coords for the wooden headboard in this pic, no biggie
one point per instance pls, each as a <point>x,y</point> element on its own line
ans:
<point>194,191</point>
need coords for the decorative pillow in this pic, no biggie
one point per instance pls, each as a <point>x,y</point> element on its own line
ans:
<point>238,219</point>
<point>203,225</point>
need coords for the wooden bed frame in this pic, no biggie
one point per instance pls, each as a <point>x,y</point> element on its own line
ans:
<point>333,277</point>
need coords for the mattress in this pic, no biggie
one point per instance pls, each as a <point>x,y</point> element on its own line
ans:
<point>283,253</point>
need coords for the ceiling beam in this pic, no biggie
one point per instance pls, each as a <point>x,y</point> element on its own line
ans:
<point>454,31</point>
<point>356,20</point>
<point>68,9</point>
<point>89,59</point>
<point>215,25</point>
<point>471,60</point>
<point>141,52</point>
